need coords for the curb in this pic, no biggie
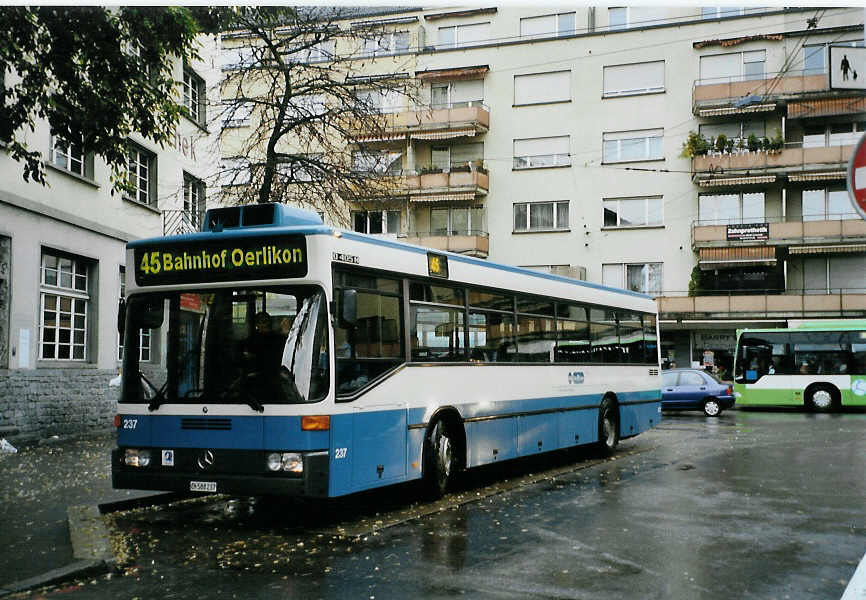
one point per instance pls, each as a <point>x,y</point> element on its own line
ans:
<point>90,541</point>
<point>80,568</point>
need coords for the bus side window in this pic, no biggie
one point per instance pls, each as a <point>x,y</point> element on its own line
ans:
<point>372,345</point>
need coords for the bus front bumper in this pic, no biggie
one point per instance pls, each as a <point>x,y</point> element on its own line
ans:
<point>313,483</point>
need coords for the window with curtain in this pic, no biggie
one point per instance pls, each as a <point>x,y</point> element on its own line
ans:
<point>827,205</point>
<point>541,216</point>
<point>637,277</point>
<point>722,209</point>
<point>624,146</point>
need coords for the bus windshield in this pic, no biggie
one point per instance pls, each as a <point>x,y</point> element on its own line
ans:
<point>250,345</point>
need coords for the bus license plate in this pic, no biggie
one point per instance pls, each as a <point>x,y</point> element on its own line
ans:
<point>202,486</point>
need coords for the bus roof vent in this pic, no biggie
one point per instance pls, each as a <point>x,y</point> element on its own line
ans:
<point>258,215</point>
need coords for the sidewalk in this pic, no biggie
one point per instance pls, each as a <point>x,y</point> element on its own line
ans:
<point>37,486</point>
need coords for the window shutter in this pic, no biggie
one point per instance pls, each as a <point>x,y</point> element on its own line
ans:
<point>467,91</point>
<point>541,146</point>
<point>538,26</point>
<point>720,68</point>
<point>542,87</point>
<point>635,78</point>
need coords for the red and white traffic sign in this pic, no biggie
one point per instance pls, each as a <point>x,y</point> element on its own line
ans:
<point>857,177</point>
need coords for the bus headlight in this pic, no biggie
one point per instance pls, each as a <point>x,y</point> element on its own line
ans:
<point>137,458</point>
<point>293,462</point>
<point>275,462</point>
<point>290,462</point>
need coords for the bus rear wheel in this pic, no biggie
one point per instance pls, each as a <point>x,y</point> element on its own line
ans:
<point>608,426</point>
<point>822,398</point>
<point>440,459</point>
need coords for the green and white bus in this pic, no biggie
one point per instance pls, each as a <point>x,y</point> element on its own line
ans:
<point>820,365</point>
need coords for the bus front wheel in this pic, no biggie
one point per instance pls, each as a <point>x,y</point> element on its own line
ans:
<point>440,459</point>
<point>821,398</point>
<point>608,426</point>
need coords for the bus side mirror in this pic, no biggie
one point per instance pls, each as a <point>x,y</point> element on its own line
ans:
<point>148,314</point>
<point>121,317</point>
<point>348,308</point>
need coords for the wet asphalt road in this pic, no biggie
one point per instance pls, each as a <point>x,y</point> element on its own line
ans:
<point>750,505</point>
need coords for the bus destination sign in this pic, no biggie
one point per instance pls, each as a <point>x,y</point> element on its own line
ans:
<point>223,260</point>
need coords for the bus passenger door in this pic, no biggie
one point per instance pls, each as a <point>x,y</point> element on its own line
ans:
<point>379,443</point>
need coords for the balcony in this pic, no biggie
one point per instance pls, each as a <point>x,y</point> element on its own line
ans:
<point>784,304</point>
<point>794,161</point>
<point>439,122</point>
<point>454,185</point>
<point>180,222</point>
<point>472,243</point>
<point>847,229</point>
<point>735,95</point>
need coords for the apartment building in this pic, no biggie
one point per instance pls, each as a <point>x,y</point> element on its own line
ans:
<point>576,141</point>
<point>62,256</point>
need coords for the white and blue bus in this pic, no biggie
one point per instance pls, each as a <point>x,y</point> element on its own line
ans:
<point>288,357</point>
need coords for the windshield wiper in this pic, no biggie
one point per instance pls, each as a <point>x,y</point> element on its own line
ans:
<point>159,398</point>
<point>255,404</point>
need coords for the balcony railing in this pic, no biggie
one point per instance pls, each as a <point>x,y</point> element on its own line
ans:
<point>749,94</point>
<point>474,181</point>
<point>434,122</point>
<point>471,242</point>
<point>179,222</point>
<point>838,302</point>
<point>792,157</point>
<point>845,227</point>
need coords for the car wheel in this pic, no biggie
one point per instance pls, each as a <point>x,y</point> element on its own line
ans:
<point>439,459</point>
<point>608,426</point>
<point>821,398</point>
<point>712,408</point>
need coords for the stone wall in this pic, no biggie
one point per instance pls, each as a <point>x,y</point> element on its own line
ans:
<point>46,402</point>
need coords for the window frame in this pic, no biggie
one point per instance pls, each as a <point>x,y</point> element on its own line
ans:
<point>456,41</point>
<point>82,157</point>
<point>549,100</point>
<point>525,162</point>
<point>79,268</point>
<point>194,96</point>
<point>557,32</point>
<point>194,199</point>
<point>385,215</point>
<point>648,145</point>
<point>646,200</point>
<point>606,93</point>
<point>390,49</point>
<point>148,159</point>
<point>623,266</point>
<point>557,226</point>
<point>741,217</point>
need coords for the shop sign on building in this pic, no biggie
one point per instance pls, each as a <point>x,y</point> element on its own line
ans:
<point>720,340</point>
<point>752,232</point>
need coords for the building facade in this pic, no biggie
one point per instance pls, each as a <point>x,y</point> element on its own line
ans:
<point>62,256</point>
<point>695,154</point>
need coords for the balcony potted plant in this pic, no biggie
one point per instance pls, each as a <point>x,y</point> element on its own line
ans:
<point>695,145</point>
<point>777,144</point>
<point>721,143</point>
<point>753,143</point>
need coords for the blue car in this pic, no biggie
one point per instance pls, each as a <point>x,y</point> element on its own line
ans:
<point>693,389</point>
